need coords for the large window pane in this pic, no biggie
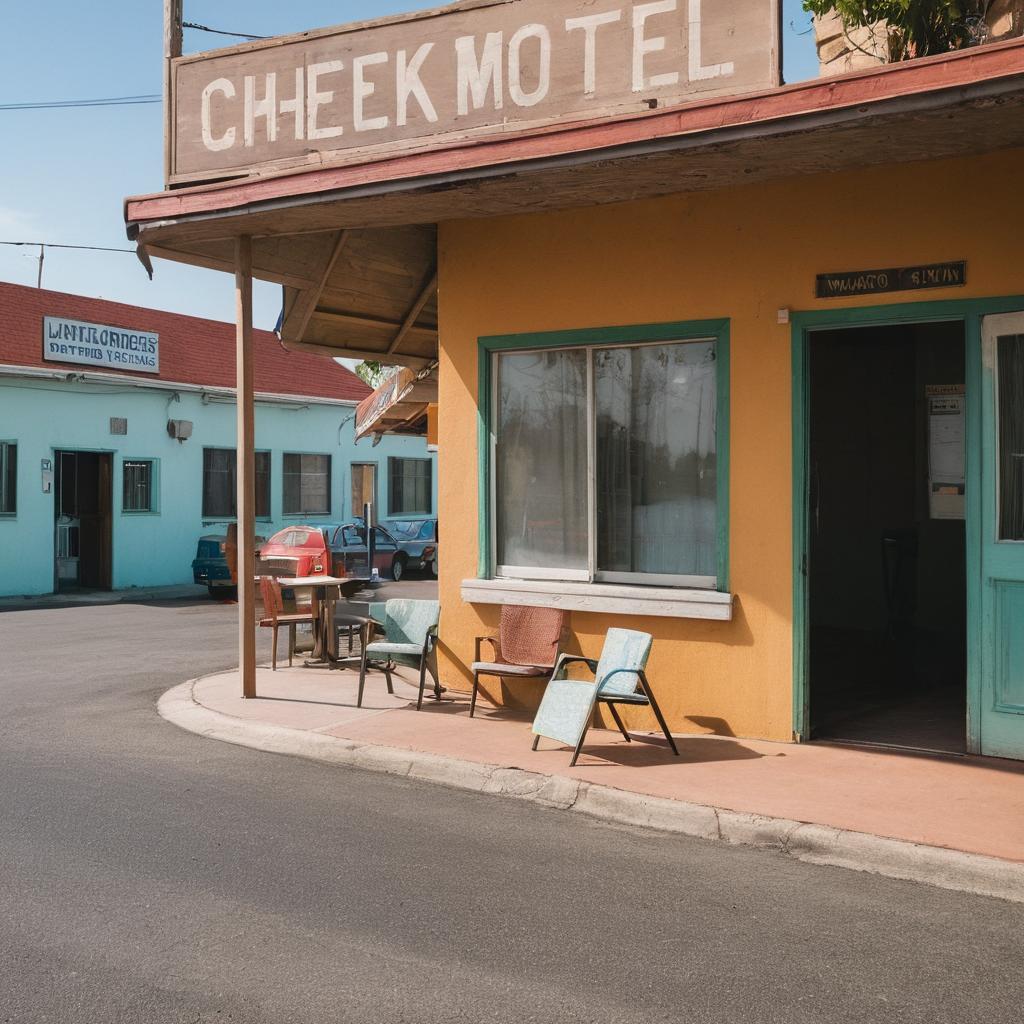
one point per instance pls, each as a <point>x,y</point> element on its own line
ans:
<point>656,459</point>
<point>411,487</point>
<point>219,489</point>
<point>1011,437</point>
<point>307,484</point>
<point>541,460</point>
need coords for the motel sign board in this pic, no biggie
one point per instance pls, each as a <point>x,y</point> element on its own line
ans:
<point>467,71</point>
<point>110,348</point>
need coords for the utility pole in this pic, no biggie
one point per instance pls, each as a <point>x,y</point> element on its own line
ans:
<point>42,256</point>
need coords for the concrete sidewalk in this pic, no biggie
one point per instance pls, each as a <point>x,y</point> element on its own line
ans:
<point>953,822</point>
<point>76,598</point>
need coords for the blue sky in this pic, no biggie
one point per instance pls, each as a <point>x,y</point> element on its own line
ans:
<point>65,173</point>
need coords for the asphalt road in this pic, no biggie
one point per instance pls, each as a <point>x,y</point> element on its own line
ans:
<point>148,875</point>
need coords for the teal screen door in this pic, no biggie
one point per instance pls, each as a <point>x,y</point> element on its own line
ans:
<point>1002,535</point>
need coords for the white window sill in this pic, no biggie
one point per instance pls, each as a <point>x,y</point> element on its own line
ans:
<point>619,599</point>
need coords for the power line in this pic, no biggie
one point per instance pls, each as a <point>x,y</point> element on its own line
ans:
<point>60,245</point>
<point>109,101</point>
<point>219,31</point>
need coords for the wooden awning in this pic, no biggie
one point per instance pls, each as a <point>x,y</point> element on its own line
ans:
<point>399,405</point>
<point>355,245</point>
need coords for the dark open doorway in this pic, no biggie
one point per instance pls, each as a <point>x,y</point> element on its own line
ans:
<point>887,547</point>
<point>83,538</point>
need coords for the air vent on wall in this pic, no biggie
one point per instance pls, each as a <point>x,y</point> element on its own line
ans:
<point>118,425</point>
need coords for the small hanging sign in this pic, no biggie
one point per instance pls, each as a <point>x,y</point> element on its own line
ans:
<point>893,279</point>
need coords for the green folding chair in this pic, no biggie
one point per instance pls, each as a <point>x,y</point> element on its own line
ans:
<point>567,708</point>
<point>410,638</point>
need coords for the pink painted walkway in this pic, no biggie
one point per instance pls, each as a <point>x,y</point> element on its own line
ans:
<point>971,804</point>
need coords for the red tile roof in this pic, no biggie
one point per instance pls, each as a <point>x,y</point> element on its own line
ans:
<point>192,350</point>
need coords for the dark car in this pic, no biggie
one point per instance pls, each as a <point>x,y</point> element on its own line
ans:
<point>349,551</point>
<point>417,539</point>
<point>216,561</point>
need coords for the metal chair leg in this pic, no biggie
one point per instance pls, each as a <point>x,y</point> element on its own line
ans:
<point>387,676</point>
<point>657,713</point>
<point>579,747</point>
<point>423,682</point>
<point>536,740</point>
<point>273,642</point>
<point>618,722</point>
<point>362,679</point>
<point>472,699</point>
<point>291,644</point>
<point>432,668</point>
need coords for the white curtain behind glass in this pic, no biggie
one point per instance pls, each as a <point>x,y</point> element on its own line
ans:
<point>541,460</point>
<point>656,459</point>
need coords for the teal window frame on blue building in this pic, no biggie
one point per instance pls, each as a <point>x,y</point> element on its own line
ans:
<point>417,513</point>
<point>303,511</point>
<point>8,479</point>
<point>490,348</point>
<point>154,485</point>
<point>263,515</point>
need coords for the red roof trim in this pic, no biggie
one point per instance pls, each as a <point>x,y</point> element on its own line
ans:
<point>911,78</point>
<point>193,351</point>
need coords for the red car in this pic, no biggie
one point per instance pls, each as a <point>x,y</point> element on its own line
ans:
<point>297,551</point>
<point>329,551</point>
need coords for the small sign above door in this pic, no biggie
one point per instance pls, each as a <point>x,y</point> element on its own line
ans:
<point>894,279</point>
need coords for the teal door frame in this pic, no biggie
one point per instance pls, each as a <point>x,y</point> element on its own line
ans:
<point>969,312</point>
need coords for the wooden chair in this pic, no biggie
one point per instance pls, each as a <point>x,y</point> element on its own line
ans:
<point>275,617</point>
<point>527,646</point>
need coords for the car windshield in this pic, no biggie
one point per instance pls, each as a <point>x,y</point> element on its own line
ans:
<point>404,530</point>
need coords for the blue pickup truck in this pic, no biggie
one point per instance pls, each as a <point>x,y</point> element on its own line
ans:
<point>214,566</point>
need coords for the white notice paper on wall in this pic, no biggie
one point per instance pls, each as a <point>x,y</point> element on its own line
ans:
<point>947,449</point>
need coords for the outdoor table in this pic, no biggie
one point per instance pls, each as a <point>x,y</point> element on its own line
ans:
<point>325,592</point>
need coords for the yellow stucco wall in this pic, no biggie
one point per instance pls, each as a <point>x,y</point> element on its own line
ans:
<point>742,254</point>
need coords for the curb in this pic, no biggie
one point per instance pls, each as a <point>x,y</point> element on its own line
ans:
<point>813,844</point>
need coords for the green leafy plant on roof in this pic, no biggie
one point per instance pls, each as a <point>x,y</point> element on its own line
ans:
<point>914,28</point>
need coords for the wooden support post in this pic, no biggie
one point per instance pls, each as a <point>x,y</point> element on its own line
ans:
<point>245,454</point>
<point>172,50</point>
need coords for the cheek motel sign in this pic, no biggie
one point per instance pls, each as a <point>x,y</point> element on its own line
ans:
<point>473,68</point>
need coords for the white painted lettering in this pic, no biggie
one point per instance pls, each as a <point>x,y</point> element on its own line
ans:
<point>589,26</point>
<point>643,45</point>
<point>698,72</point>
<point>265,108</point>
<point>410,84</point>
<point>515,65</point>
<point>474,77</point>
<point>315,100</point>
<point>362,90</point>
<point>297,106</point>
<point>227,139</point>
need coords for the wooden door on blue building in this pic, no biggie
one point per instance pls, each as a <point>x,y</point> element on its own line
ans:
<point>1002,590</point>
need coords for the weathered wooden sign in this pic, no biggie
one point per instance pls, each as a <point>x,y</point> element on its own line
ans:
<point>894,279</point>
<point>471,69</point>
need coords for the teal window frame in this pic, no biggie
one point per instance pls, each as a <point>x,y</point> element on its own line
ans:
<point>154,486</point>
<point>285,514</point>
<point>268,517</point>
<point>488,347</point>
<point>426,513</point>
<point>11,443</point>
